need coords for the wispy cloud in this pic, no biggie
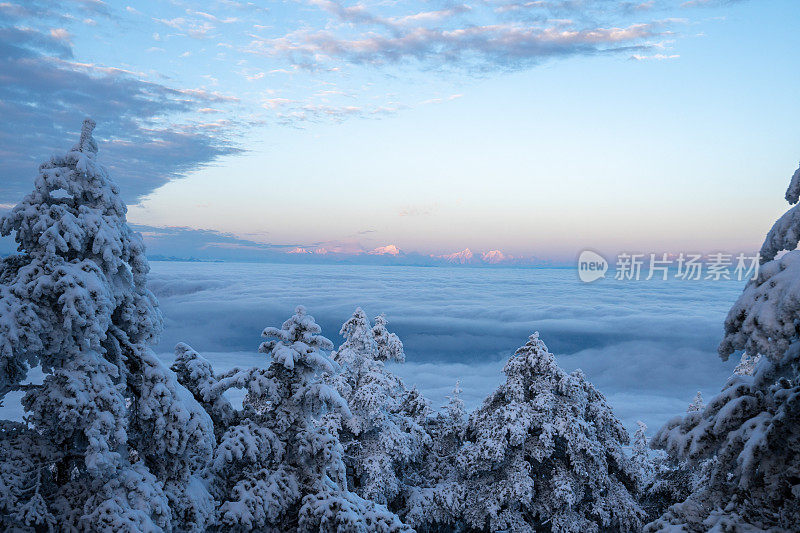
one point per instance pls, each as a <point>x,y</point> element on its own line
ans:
<point>486,35</point>
<point>654,57</point>
<point>709,3</point>
<point>313,112</point>
<point>417,210</point>
<point>493,46</point>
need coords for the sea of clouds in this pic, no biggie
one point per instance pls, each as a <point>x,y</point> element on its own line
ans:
<point>649,346</point>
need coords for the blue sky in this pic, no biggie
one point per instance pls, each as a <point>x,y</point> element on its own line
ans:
<point>535,128</point>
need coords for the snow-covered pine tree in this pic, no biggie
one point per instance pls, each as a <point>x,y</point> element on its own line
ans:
<point>111,441</point>
<point>380,439</point>
<point>640,456</point>
<point>277,465</point>
<point>433,497</point>
<point>661,480</point>
<point>196,374</point>
<point>748,436</point>
<point>390,348</point>
<point>672,482</point>
<point>545,451</point>
<point>697,404</point>
<point>454,411</point>
<point>415,405</point>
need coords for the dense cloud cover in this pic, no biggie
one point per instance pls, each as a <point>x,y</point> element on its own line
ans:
<point>648,346</point>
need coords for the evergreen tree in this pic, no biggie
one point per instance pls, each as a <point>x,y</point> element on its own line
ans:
<point>277,465</point>
<point>672,482</point>
<point>747,438</point>
<point>390,348</point>
<point>545,451</point>
<point>454,411</point>
<point>640,456</point>
<point>433,498</point>
<point>111,441</point>
<point>197,375</point>
<point>380,439</point>
<point>697,404</point>
<point>662,481</point>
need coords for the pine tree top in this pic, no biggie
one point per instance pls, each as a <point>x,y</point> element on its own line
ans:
<point>301,327</point>
<point>697,404</point>
<point>532,357</point>
<point>87,144</point>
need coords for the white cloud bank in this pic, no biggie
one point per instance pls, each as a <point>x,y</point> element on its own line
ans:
<point>648,346</point>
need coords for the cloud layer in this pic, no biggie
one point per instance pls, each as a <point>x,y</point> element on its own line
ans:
<point>649,346</point>
<point>484,36</point>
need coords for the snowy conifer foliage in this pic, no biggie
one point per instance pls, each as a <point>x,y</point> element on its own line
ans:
<point>748,436</point>
<point>640,456</point>
<point>111,441</point>
<point>389,346</point>
<point>663,481</point>
<point>545,451</point>
<point>434,497</point>
<point>380,438</point>
<point>747,365</point>
<point>277,465</point>
<point>697,404</point>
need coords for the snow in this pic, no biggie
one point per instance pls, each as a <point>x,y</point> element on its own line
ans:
<point>793,191</point>
<point>544,441</point>
<point>389,249</point>
<point>461,258</point>
<point>494,257</point>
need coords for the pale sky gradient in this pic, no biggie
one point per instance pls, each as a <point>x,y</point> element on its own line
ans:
<point>435,126</point>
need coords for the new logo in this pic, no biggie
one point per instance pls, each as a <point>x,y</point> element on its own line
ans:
<point>591,266</point>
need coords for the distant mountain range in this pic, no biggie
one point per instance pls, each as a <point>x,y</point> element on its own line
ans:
<point>188,244</point>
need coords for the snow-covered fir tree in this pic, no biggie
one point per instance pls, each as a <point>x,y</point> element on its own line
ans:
<point>433,497</point>
<point>277,466</point>
<point>380,439</point>
<point>640,455</point>
<point>671,482</point>
<point>389,346</point>
<point>111,441</point>
<point>197,375</point>
<point>662,481</point>
<point>545,451</point>
<point>454,411</point>
<point>697,404</point>
<point>748,436</point>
